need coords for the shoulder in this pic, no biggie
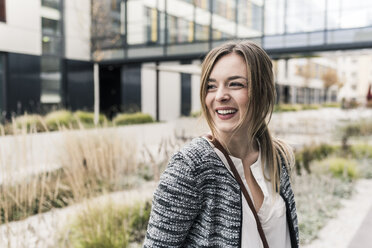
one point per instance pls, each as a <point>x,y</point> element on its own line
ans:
<point>190,157</point>
<point>194,153</point>
<point>193,163</point>
<point>197,149</point>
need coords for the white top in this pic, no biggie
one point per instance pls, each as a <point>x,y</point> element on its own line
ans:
<point>272,213</point>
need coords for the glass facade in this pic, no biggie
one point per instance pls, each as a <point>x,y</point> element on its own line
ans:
<point>55,4</point>
<point>158,27</point>
<point>50,79</point>
<point>294,16</point>
<point>52,51</point>
<point>187,21</point>
<point>348,14</point>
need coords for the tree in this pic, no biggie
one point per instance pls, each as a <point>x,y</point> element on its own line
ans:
<point>305,71</point>
<point>103,35</point>
<point>329,78</point>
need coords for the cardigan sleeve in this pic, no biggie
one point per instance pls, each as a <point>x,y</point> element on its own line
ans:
<point>175,205</point>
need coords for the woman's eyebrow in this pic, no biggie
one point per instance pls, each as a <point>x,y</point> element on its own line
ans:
<point>236,77</point>
<point>228,79</point>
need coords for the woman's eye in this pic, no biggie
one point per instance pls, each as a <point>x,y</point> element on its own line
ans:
<point>211,86</point>
<point>236,84</point>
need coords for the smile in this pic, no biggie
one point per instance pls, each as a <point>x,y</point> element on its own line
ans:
<point>226,111</point>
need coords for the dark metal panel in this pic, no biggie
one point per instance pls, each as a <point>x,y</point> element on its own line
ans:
<point>2,85</point>
<point>23,84</point>
<point>131,88</point>
<point>185,94</point>
<point>109,88</point>
<point>79,85</point>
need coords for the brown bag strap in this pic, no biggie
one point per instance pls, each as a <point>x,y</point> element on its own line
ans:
<point>218,145</point>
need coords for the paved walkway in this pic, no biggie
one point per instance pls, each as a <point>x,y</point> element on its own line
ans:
<point>363,236</point>
<point>352,227</point>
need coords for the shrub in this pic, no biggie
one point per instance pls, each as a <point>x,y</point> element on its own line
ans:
<point>331,105</point>
<point>342,168</point>
<point>354,129</point>
<point>361,151</point>
<point>310,106</point>
<point>136,118</point>
<point>110,225</point>
<point>286,107</point>
<point>196,114</point>
<point>310,153</point>
<point>30,123</point>
<point>365,168</point>
<point>58,119</point>
<point>88,117</point>
<point>139,219</point>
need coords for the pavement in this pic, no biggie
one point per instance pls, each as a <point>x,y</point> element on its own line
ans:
<point>352,226</point>
<point>363,238</point>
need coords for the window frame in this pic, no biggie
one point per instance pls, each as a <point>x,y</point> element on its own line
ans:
<point>2,11</point>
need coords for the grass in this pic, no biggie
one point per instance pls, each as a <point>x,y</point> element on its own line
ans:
<point>319,193</point>
<point>91,162</point>
<point>60,119</point>
<point>295,107</point>
<point>136,118</point>
<point>110,224</point>
<point>318,196</point>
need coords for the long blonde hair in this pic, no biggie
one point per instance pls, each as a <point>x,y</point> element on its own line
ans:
<point>261,90</point>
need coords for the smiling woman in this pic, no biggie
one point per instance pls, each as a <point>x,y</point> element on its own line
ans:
<point>230,188</point>
<point>227,93</point>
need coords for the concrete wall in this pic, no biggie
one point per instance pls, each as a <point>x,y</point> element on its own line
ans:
<point>169,91</point>
<point>169,94</point>
<point>77,29</point>
<point>148,89</point>
<point>21,33</point>
<point>195,90</point>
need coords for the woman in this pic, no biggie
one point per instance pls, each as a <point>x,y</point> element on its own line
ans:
<point>199,201</point>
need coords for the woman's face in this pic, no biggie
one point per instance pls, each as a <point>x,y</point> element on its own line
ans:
<point>227,93</point>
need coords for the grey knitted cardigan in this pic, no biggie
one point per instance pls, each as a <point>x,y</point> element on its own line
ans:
<point>198,202</point>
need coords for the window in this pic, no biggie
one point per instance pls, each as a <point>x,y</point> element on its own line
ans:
<point>51,40</point>
<point>2,11</point>
<point>55,4</point>
<point>152,25</point>
<point>50,80</point>
<point>172,29</point>
<point>201,32</point>
<point>50,26</point>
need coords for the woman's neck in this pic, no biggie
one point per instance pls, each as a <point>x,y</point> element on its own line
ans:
<point>239,145</point>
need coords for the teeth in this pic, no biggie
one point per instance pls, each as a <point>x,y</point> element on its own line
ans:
<point>227,111</point>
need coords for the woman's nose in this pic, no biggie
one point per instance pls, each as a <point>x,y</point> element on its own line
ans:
<point>222,94</point>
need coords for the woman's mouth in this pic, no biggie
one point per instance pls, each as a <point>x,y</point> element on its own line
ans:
<point>225,114</point>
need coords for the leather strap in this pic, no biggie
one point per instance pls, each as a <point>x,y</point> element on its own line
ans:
<point>218,145</point>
